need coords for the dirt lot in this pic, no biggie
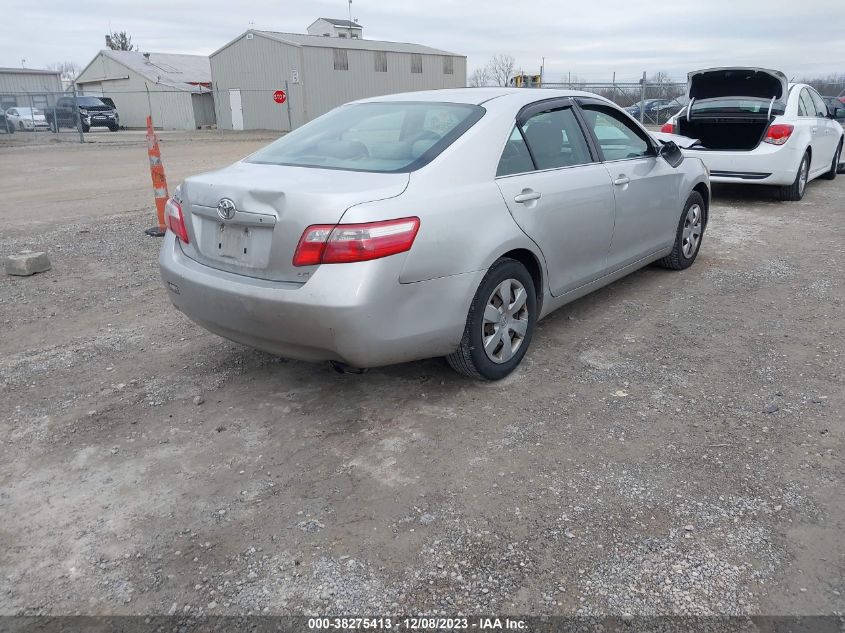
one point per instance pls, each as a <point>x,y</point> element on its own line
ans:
<point>672,444</point>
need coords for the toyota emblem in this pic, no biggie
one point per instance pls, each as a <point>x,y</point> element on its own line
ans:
<point>226,209</point>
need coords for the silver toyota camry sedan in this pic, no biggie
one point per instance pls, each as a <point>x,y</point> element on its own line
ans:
<point>439,223</point>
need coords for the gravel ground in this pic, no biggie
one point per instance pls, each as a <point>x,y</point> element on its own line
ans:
<point>671,445</point>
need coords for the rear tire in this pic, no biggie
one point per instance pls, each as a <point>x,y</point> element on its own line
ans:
<point>689,235</point>
<point>834,166</point>
<point>795,191</point>
<point>503,313</point>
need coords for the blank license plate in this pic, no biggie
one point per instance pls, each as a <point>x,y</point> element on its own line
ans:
<point>233,242</point>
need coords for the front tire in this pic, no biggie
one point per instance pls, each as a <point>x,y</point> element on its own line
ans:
<point>500,323</point>
<point>688,236</point>
<point>795,191</point>
<point>834,166</point>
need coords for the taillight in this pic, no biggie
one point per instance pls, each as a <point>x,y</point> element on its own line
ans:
<point>174,219</point>
<point>778,134</point>
<point>668,127</point>
<point>344,243</point>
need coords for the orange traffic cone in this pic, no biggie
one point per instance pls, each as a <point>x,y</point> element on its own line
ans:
<point>159,180</point>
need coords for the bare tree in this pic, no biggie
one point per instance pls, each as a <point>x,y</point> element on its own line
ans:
<point>479,77</point>
<point>833,85</point>
<point>69,70</point>
<point>661,86</point>
<point>500,69</point>
<point>120,41</point>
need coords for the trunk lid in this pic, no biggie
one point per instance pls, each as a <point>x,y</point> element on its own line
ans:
<point>273,204</point>
<point>761,83</point>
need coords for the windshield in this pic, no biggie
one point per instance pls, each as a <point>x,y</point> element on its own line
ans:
<point>737,105</point>
<point>89,101</point>
<point>377,137</point>
<point>28,111</point>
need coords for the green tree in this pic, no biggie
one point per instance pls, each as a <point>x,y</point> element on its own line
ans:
<point>120,41</point>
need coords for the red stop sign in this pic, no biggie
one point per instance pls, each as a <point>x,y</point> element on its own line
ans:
<point>279,96</point>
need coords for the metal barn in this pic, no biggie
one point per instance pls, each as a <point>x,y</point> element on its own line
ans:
<point>317,74</point>
<point>29,87</point>
<point>175,89</point>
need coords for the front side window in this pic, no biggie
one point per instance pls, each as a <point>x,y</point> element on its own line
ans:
<point>377,137</point>
<point>617,138</point>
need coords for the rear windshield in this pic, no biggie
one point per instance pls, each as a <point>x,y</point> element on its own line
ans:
<point>377,137</point>
<point>737,105</point>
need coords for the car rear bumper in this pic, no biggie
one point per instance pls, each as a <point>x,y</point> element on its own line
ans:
<point>764,165</point>
<point>357,313</point>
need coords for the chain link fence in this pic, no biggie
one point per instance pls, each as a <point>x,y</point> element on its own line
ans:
<point>650,103</point>
<point>76,115</point>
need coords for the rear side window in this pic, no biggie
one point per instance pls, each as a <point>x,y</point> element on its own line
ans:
<point>618,139</point>
<point>378,137</point>
<point>805,104</point>
<point>515,157</point>
<point>556,140</point>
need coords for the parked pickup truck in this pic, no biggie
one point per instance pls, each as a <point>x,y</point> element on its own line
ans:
<point>91,113</point>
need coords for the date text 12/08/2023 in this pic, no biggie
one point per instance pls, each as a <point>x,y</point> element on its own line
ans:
<point>416,623</point>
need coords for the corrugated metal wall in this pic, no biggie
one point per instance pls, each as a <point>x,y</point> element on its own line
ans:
<point>261,65</point>
<point>257,68</point>
<point>37,83</point>
<point>172,109</point>
<point>327,88</point>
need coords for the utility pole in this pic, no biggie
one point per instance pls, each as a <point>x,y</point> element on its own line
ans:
<point>542,70</point>
<point>642,98</point>
<point>349,28</point>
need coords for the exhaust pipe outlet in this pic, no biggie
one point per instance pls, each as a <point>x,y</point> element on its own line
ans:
<point>343,368</point>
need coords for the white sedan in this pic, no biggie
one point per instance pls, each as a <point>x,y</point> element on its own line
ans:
<point>752,126</point>
<point>28,119</point>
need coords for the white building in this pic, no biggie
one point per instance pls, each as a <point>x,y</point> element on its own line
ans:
<point>175,89</point>
<point>319,73</point>
<point>330,27</point>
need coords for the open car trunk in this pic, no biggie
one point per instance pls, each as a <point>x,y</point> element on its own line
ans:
<point>731,108</point>
<point>724,133</point>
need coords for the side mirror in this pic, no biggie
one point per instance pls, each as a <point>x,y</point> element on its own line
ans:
<point>838,113</point>
<point>671,153</point>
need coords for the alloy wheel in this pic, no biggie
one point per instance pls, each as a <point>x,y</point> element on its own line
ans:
<point>805,174</point>
<point>691,234</point>
<point>505,321</point>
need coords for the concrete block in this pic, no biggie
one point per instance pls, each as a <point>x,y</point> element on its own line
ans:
<point>27,263</point>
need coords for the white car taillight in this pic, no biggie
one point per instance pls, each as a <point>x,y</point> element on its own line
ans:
<point>778,134</point>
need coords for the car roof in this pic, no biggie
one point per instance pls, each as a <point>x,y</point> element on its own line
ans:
<point>478,96</point>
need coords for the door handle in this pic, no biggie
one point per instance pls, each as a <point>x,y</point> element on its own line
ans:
<point>527,195</point>
<point>622,180</point>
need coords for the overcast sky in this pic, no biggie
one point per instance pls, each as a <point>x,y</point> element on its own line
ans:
<point>589,39</point>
